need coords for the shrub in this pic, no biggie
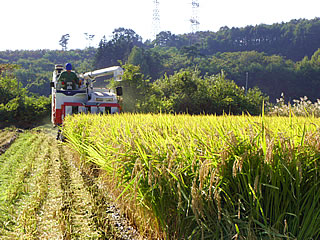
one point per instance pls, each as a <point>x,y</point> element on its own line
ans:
<point>188,92</point>
<point>300,107</point>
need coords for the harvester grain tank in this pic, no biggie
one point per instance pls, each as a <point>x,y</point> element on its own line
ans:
<point>86,98</point>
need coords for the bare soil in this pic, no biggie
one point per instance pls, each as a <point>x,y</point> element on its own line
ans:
<point>6,139</point>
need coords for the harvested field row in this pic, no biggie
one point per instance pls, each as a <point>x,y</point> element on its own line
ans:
<point>44,194</point>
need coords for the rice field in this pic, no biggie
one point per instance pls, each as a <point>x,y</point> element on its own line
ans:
<point>207,177</point>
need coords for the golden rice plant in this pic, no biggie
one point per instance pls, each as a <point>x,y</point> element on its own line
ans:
<point>215,177</point>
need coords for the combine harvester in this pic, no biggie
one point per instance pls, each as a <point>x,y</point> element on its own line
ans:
<point>86,98</point>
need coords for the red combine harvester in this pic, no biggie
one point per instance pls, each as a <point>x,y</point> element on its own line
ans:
<point>86,98</point>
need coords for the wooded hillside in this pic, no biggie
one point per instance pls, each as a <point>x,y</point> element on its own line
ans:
<point>277,58</point>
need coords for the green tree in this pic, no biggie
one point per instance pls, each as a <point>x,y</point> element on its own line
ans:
<point>167,39</point>
<point>187,92</point>
<point>64,41</point>
<point>16,107</point>
<point>138,57</point>
<point>135,87</point>
<point>117,49</point>
<point>89,38</point>
<point>149,60</point>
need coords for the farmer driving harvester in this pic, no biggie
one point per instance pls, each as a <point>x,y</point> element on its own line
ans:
<point>68,80</point>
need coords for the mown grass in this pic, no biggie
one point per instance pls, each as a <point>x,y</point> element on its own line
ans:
<point>208,177</point>
<point>27,224</point>
<point>42,194</point>
<point>24,185</point>
<point>15,167</point>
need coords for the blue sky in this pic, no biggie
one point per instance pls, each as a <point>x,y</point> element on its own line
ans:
<point>39,24</point>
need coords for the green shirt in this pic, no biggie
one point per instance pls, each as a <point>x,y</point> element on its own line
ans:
<point>68,77</point>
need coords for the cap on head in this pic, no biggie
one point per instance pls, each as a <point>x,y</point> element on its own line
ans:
<point>68,66</point>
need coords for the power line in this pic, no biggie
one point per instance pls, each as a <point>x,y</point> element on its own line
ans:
<point>195,16</point>
<point>156,18</point>
<point>194,20</point>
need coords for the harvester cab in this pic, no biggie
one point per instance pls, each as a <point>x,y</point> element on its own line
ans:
<point>87,98</point>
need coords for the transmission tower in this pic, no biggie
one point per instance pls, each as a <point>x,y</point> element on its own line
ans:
<point>195,16</point>
<point>156,18</point>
